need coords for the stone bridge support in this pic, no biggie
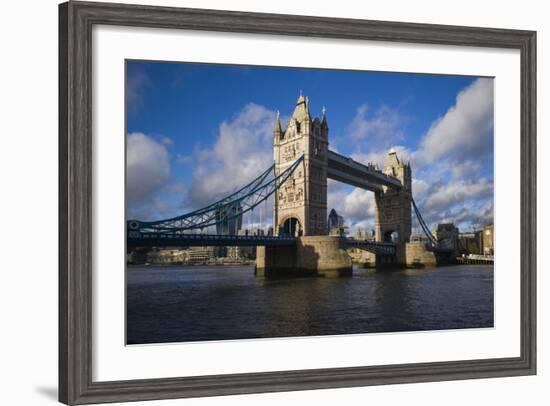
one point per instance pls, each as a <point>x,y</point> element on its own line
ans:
<point>311,256</point>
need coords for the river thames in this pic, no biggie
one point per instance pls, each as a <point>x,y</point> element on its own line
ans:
<point>198,303</point>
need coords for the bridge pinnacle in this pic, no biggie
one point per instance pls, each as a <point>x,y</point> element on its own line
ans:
<point>324,121</point>
<point>277,131</point>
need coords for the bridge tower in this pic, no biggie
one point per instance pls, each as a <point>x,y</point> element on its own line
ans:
<point>393,206</point>
<point>301,202</point>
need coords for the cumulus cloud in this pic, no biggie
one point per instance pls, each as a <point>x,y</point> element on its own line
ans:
<point>147,167</point>
<point>383,126</point>
<point>420,188</point>
<point>471,215</point>
<point>457,193</point>
<point>452,173</point>
<point>454,160</point>
<point>242,150</point>
<point>378,156</point>
<point>353,203</point>
<point>466,129</point>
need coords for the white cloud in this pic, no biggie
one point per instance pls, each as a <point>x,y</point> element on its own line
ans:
<point>384,126</point>
<point>363,226</point>
<point>420,188</point>
<point>448,166</point>
<point>466,129</point>
<point>466,170</point>
<point>147,167</point>
<point>379,156</point>
<point>457,193</point>
<point>468,217</point>
<point>242,150</point>
<point>354,204</point>
<point>358,204</point>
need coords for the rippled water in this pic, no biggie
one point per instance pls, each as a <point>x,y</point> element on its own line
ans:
<point>173,304</point>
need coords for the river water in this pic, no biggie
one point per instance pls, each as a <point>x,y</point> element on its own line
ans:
<point>197,303</point>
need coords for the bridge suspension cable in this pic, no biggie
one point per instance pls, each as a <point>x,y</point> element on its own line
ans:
<point>227,211</point>
<point>423,225</point>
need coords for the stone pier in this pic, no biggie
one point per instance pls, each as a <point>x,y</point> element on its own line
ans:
<point>311,256</point>
<point>418,256</point>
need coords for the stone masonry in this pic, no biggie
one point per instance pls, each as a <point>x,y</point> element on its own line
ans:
<point>393,207</point>
<point>301,202</point>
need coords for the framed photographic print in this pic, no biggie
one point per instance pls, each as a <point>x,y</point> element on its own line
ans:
<point>260,202</point>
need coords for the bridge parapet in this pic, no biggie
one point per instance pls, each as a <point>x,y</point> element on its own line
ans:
<point>153,239</point>
<point>381,248</point>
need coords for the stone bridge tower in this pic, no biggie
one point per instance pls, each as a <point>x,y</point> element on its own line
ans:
<point>300,205</point>
<point>393,206</point>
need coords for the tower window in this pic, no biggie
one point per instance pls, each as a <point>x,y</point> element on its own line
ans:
<point>298,126</point>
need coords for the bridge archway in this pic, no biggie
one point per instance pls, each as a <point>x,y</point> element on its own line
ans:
<point>291,227</point>
<point>391,236</point>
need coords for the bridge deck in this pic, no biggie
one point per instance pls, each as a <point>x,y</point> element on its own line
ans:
<point>203,240</point>
<point>384,248</point>
<point>152,239</point>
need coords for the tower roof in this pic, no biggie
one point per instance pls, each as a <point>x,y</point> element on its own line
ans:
<point>301,111</point>
<point>277,128</point>
<point>392,159</point>
<point>324,122</point>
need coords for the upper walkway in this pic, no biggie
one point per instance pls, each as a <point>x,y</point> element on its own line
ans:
<point>346,170</point>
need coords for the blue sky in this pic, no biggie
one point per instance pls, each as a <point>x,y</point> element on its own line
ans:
<point>187,123</point>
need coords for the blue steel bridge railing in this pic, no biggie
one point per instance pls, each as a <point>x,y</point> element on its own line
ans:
<point>202,240</point>
<point>224,211</point>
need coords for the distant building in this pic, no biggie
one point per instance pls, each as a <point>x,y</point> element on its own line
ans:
<point>446,235</point>
<point>335,223</point>
<point>364,235</point>
<point>137,256</point>
<point>228,219</point>
<point>469,243</point>
<point>488,240</point>
<point>167,256</point>
<point>234,252</point>
<point>419,239</point>
<point>200,255</point>
<point>228,222</point>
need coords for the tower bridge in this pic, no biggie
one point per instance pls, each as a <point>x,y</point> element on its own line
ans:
<point>297,180</point>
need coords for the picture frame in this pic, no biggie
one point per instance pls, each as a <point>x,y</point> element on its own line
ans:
<point>76,19</point>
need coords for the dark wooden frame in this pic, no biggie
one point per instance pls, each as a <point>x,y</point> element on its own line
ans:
<point>75,204</point>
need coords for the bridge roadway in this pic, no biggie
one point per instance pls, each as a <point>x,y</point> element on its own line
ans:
<point>152,239</point>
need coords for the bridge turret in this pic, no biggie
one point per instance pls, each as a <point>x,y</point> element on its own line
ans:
<point>393,205</point>
<point>277,131</point>
<point>301,202</point>
<point>324,125</point>
<point>397,168</point>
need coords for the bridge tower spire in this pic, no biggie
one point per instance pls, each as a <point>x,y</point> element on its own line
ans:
<point>301,203</point>
<point>277,131</point>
